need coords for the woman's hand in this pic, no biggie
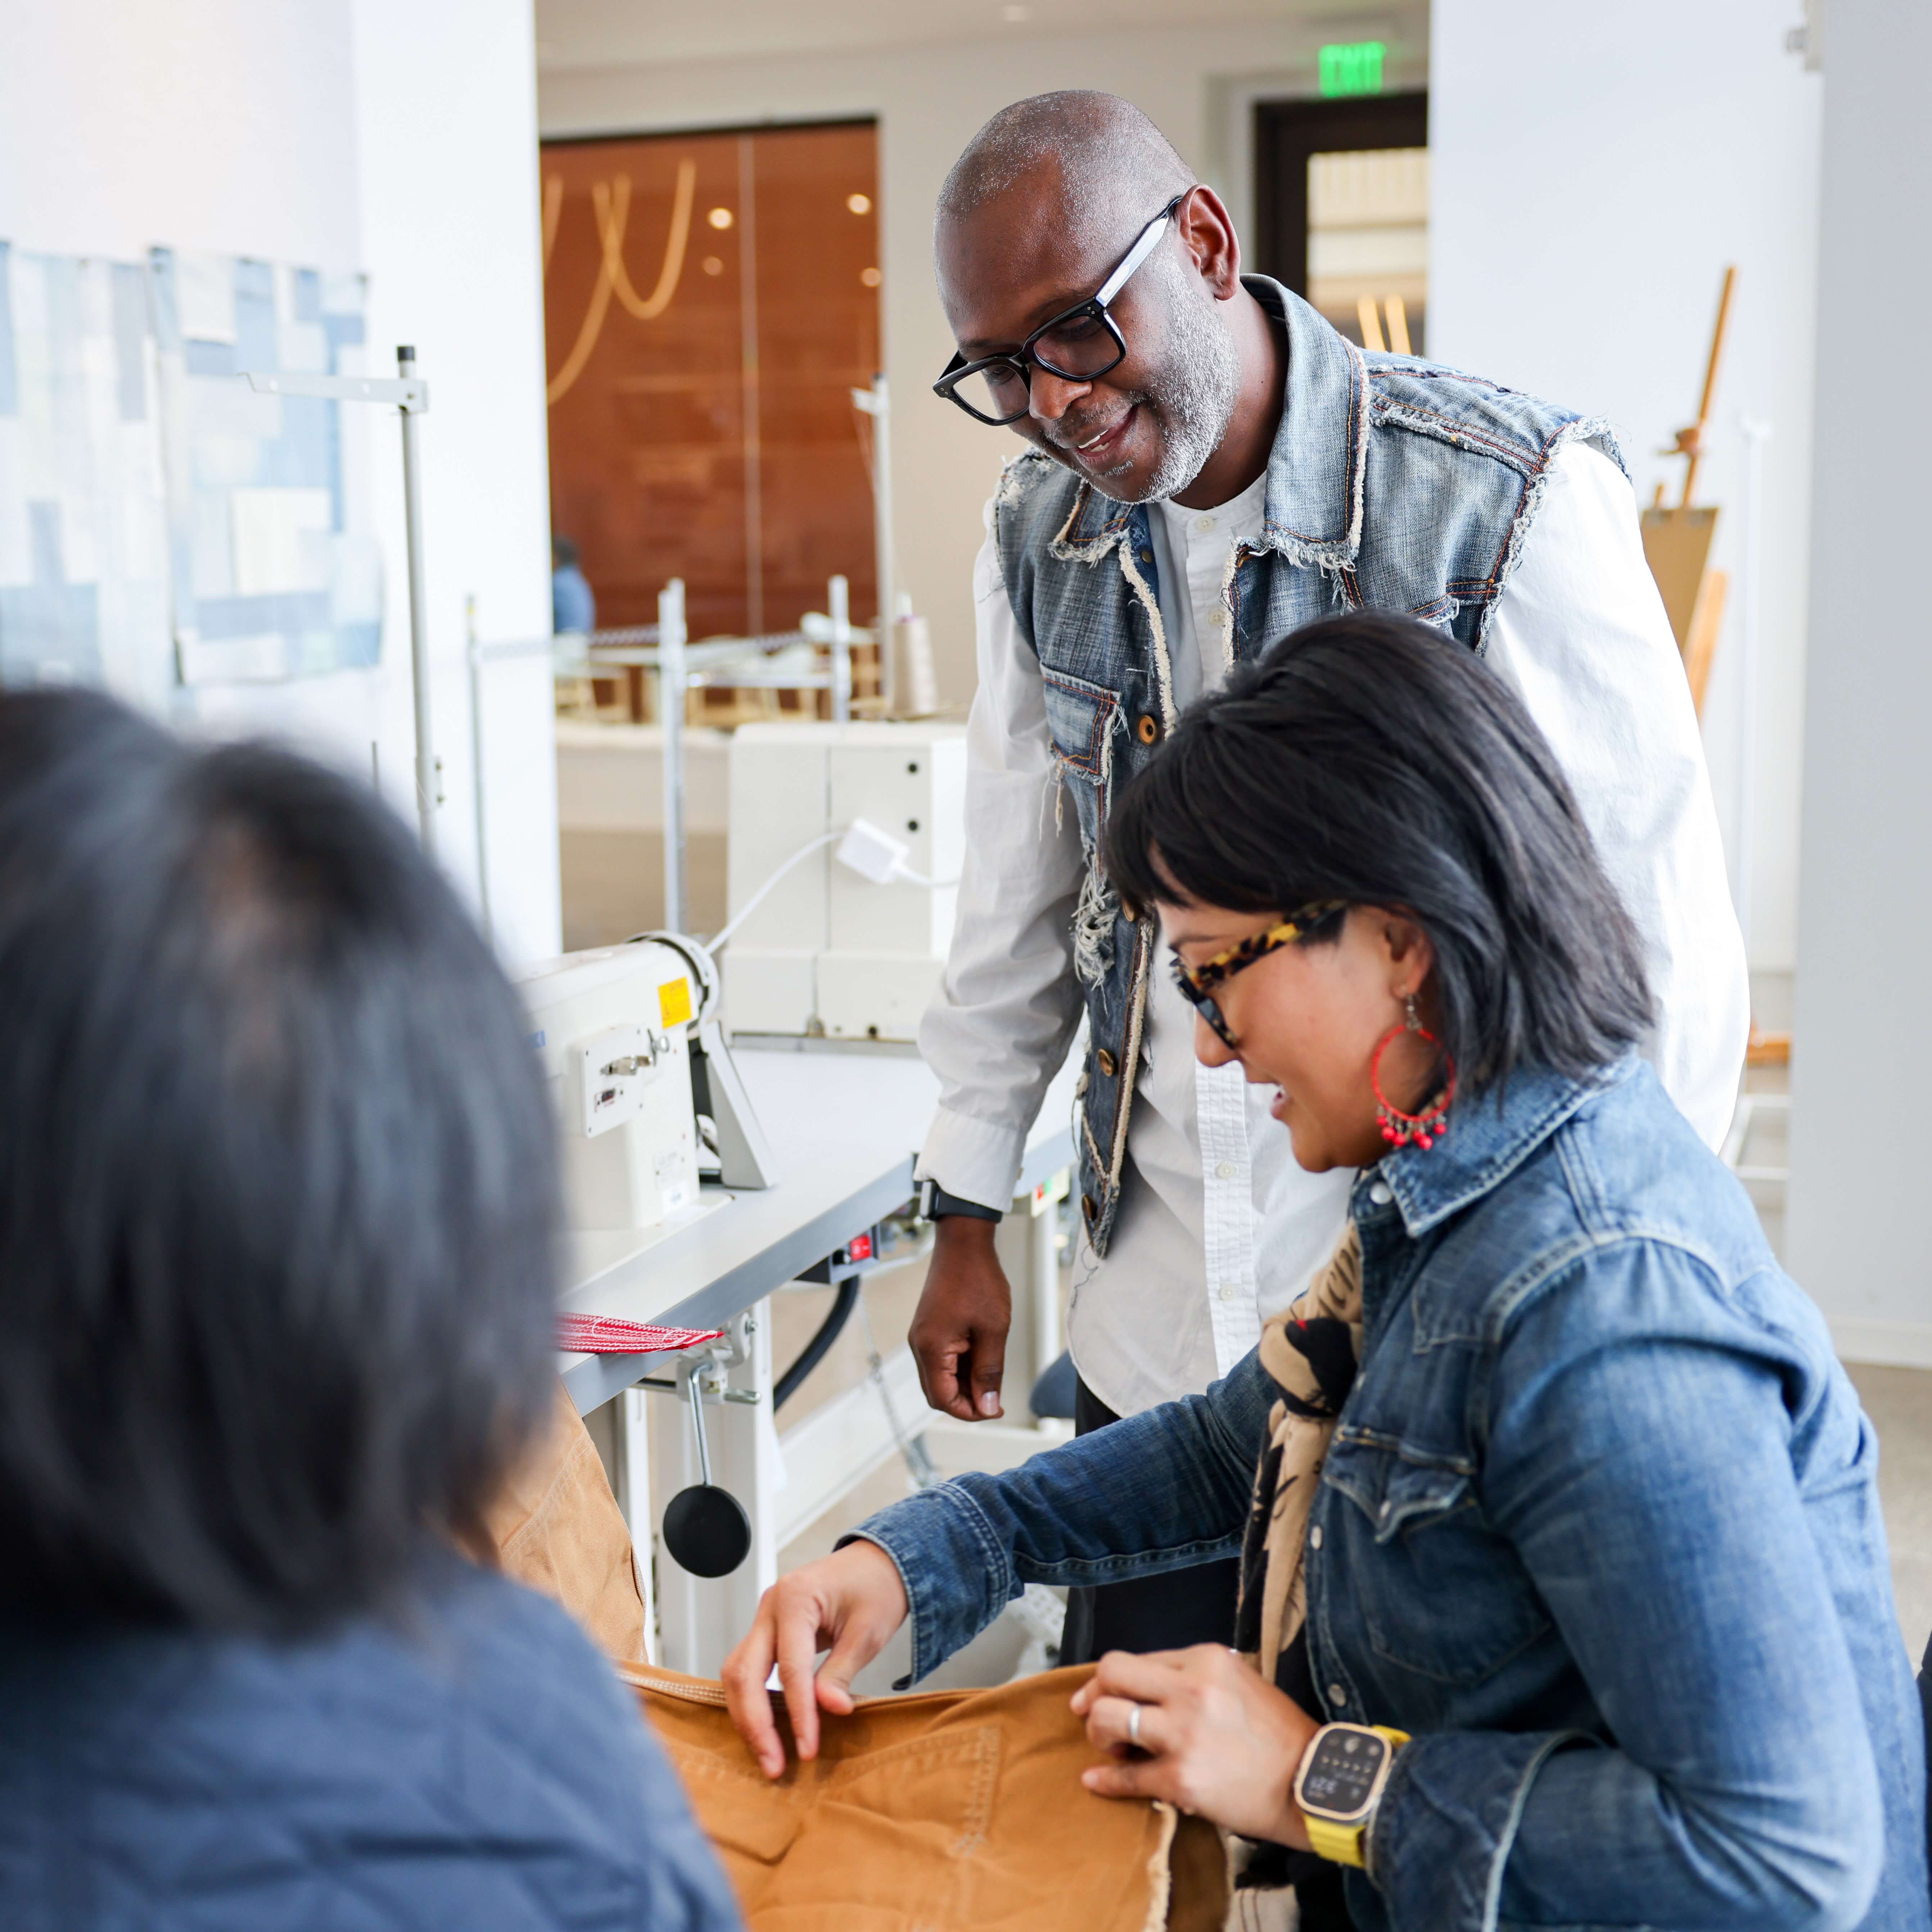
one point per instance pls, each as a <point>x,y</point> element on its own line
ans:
<point>853,1601</point>
<point>1218,1740</point>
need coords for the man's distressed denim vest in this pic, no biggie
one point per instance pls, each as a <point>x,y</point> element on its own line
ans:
<point>1394,483</point>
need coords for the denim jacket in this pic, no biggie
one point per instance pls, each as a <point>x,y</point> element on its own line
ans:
<point>1599,1527</point>
<point>1393,483</point>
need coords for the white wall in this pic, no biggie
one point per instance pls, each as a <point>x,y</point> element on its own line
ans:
<point>1862,1050</point>
<point>337,134</point>
<point>446,102</point>
<point>1195,82</point>
<point>1595,169</point>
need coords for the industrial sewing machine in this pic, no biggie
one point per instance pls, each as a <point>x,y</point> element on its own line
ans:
<point>647,1100</point>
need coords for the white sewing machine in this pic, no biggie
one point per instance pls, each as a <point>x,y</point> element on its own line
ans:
<point>646,1097</point>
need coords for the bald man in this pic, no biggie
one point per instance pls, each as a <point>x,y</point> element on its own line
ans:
<point>1212,466</point>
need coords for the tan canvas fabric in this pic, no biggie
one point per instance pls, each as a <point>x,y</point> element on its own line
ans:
<point>951,1809</point>
<point>556,1527</point>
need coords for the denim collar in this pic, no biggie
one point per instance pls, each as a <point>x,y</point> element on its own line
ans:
<point>1488,1139</point>
<point>1313,513</point>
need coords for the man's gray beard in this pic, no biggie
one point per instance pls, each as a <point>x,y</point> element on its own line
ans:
<point>1193,396</point>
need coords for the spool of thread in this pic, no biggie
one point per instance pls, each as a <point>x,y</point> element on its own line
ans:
<point>915,683</point>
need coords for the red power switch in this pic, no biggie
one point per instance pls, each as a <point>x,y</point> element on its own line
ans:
<point>859,1248</point>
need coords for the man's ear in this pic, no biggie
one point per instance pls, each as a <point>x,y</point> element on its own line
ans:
<point>1208,232</point>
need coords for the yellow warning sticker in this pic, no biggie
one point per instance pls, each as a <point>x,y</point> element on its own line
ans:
<point>674,1002</point>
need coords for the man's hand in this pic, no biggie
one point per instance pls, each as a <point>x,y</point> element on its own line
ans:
<point>852,1600</point>
<point>1214,1738</point>
<point>959,1333</point>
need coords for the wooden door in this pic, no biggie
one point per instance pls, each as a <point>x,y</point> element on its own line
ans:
<point>710,300</point>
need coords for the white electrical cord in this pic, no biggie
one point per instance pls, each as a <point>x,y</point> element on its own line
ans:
<point>863,848</point>
<point>757,899</point>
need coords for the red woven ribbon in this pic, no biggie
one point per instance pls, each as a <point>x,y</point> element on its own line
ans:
<point>607,1335</point>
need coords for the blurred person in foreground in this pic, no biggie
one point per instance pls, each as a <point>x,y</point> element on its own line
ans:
<point>1554,1508</point>
<point>278,1220</point>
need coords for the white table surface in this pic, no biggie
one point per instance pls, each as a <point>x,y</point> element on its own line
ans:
<point>844,1128</point>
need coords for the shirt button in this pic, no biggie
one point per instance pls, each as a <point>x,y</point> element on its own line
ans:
<point>1204,524</point>
<point>1224,1171</point>
<point>1336,1695</point>
<point>1229,1290</point>
<point>1315,1538</point>
<point>1382,1194</point>
<point>1219,619</point>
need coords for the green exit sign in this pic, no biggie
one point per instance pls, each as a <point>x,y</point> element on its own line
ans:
<point>1351,67</point>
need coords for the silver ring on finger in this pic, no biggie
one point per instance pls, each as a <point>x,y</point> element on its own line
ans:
<point>1134,1724</point>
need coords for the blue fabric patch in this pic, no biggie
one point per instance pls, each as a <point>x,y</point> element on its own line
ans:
<point>288,612</point>
<point>130,331</point>
<point>9,390</point>
<point>357,645</point>
<point>161,290</point>
<point>303,457</point>
<point>51,618</point>
<point>256,345</point>
<point>209,358</point>
<point>344,331</point>
<point>308,295</point>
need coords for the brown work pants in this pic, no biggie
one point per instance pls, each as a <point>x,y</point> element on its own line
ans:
<point>958,1808</point>
<point>952,1809</point>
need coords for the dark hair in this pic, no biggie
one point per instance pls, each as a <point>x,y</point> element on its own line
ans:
<point>277,1191</point>
<point>1367,758</point>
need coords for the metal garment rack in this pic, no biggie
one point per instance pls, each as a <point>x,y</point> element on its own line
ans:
<point>681,667</point>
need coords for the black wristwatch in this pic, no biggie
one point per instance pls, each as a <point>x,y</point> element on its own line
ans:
<point>935,1204</point>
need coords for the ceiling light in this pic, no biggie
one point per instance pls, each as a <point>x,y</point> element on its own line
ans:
<point>1015,15</point>
<point>870,277</point>
<point>719,217</point>
<point>712,265</point>
<point>859,204</point>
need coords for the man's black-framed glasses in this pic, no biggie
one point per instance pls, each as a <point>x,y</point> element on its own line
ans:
<point>1078,344</point>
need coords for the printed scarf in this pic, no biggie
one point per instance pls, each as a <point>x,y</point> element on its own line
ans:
<point>1311,1351</point>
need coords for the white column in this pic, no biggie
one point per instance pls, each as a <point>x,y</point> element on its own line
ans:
<point>1862,1055</point>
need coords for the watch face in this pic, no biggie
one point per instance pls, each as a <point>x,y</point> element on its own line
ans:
<point>1342,1772</point>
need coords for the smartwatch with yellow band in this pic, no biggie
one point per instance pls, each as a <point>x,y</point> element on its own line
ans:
<point>1339,1784</point>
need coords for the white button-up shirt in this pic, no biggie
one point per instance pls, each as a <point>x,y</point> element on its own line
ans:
<point>1220,1229</point>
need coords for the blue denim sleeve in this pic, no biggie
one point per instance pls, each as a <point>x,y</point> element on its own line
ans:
<point>1639,1459</point>
<point>1155,1491</point>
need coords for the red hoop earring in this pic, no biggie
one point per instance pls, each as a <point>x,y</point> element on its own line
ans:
<point>1425,1128</point>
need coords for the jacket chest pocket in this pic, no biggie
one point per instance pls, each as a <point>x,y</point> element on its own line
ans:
<point>1435,1590</point>
<point>1079,715</point>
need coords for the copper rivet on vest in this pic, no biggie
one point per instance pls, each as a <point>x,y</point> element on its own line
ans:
<point>1147,556</point>
<point>1129,911</point>
<point>1088,1209</point>
<point>1105,1060</point>
<point>1147,727</point>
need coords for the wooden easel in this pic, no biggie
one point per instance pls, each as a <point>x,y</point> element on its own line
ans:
<point>1677,547</point>
<point>1677,542</point>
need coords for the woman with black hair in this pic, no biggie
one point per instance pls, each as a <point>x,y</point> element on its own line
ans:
<point>278,1221</point>
<point>1565,1598</point>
